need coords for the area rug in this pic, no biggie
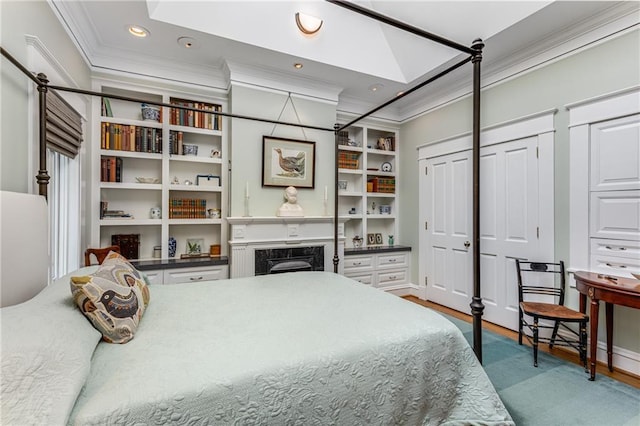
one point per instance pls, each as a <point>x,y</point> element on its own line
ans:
<point>556,392</point>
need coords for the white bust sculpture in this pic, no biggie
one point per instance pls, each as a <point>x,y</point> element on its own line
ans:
<point>290,207</point>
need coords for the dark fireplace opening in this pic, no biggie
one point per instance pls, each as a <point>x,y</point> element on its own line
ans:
<point>280,260</point>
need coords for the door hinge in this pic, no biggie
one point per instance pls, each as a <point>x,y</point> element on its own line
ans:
<point>426,170</point>
<point>538,232</point>
<point>537,152</point>
<point>426,280</point>
<point>426,225</point>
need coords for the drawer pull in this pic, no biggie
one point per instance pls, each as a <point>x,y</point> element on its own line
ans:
<point>357,263</point>
<point>615,266</point>
<point>619,248</point>
<point>196,278</point>
<point>392,260</point>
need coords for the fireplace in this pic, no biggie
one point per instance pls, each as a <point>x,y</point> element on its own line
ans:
<point>295,259</point>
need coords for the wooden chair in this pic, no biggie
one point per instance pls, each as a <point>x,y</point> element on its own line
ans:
<point>530,277</point>
<point>99,253</point>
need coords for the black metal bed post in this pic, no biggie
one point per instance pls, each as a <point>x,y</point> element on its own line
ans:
<point>336,258</point>
<point>42,178</point>
<point>477,307</point>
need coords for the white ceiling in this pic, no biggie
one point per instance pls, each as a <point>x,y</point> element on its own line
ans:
<point>258,41</point>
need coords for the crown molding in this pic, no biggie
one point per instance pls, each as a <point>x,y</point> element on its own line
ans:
<point>266,78</point>
<point>614,22</point>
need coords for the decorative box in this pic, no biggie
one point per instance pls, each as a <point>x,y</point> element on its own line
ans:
<point>208,180</point>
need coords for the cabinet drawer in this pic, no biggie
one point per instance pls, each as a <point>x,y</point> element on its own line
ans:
<point>362,278</point>
<point>177,276</point>
<point>154,277</point>
<point>392,260</point>
<point>615,265</point>
<point>357,263</point>
<point>615,215</point>
<point>617,248</point>
<point>390,278</point>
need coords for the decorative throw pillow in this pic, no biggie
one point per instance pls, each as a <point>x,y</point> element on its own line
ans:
<point>113,298</point>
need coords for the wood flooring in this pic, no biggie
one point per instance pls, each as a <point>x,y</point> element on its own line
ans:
<point>565,354</point>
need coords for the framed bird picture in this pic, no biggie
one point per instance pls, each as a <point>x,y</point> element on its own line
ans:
<point>288,162</point>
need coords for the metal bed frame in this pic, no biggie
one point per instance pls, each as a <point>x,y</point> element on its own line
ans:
<point>475,57</point>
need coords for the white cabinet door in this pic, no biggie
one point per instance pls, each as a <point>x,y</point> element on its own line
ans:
<point>615,215</point>
<point>205,273</point>
<point>615,154</point>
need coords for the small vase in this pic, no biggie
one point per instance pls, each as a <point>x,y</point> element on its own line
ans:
<point>172,247</point>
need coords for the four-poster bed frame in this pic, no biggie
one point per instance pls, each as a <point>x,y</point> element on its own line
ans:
<point>475,57</point>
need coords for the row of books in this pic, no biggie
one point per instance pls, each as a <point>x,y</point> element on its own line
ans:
<point>124,137</point>
<point>110,169</point>
<point>199,119</point>
<point>187,208</point>
<point>105,213</point>
<point>175,143</point>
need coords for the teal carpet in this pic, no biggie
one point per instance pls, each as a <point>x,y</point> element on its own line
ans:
<point>556,392</point>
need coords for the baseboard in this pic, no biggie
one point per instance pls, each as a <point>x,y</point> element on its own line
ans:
<point>622,359</point>
<point>408,289</point>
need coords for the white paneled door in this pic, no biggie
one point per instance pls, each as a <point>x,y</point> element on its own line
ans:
<point>509,213</point>
<point>447,187</point>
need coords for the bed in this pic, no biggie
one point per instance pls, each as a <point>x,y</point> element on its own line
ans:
<point>311,348</point>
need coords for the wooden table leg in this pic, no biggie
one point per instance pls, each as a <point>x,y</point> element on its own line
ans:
<point>593,318</point>
<point>609,315</point>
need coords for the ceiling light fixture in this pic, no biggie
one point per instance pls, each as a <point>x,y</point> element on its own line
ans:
<point>138,31</point>
<point>187,42</point>
<point>298,65</point>
<point>308,24</point>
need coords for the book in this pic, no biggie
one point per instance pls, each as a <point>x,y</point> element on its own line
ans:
<point>106,108</point>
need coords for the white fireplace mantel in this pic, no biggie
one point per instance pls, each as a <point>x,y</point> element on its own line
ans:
<point>250,233</point>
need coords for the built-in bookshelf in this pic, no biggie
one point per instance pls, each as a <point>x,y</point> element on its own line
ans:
<point>158,171</point>
<point>367,185</point>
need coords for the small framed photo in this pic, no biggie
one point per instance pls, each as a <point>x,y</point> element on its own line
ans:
<point>371,239</point>
<point>379,239</point>
<point>194,246</point>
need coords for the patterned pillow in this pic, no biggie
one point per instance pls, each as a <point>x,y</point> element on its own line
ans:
<point>113,298</point>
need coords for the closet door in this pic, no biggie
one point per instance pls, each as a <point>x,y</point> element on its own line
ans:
<point>448,229</point>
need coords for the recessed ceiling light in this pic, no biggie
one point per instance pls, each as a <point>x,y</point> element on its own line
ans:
<point>376,87</point>
<point>298,65</point>
<point>187,42</point>
<point>308,24</point>
<point>138,31</point>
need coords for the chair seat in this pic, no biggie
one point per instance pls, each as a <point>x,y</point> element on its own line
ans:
<point>552,311</point>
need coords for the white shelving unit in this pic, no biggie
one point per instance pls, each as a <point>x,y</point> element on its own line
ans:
<point>163,167</point>
<point>361,164</point>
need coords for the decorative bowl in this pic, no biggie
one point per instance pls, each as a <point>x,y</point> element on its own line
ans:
<point>147,180</point>
<point>342,184</point>
<point>150,112</point>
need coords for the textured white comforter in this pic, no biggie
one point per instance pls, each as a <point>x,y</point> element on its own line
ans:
<point>309,348</point>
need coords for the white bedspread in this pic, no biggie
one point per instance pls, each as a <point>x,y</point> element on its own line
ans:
<point>309,348</point>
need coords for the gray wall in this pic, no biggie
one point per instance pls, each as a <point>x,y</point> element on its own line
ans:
<point>602,69</point>
<point>246,148</point>
<point>17,19</point>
